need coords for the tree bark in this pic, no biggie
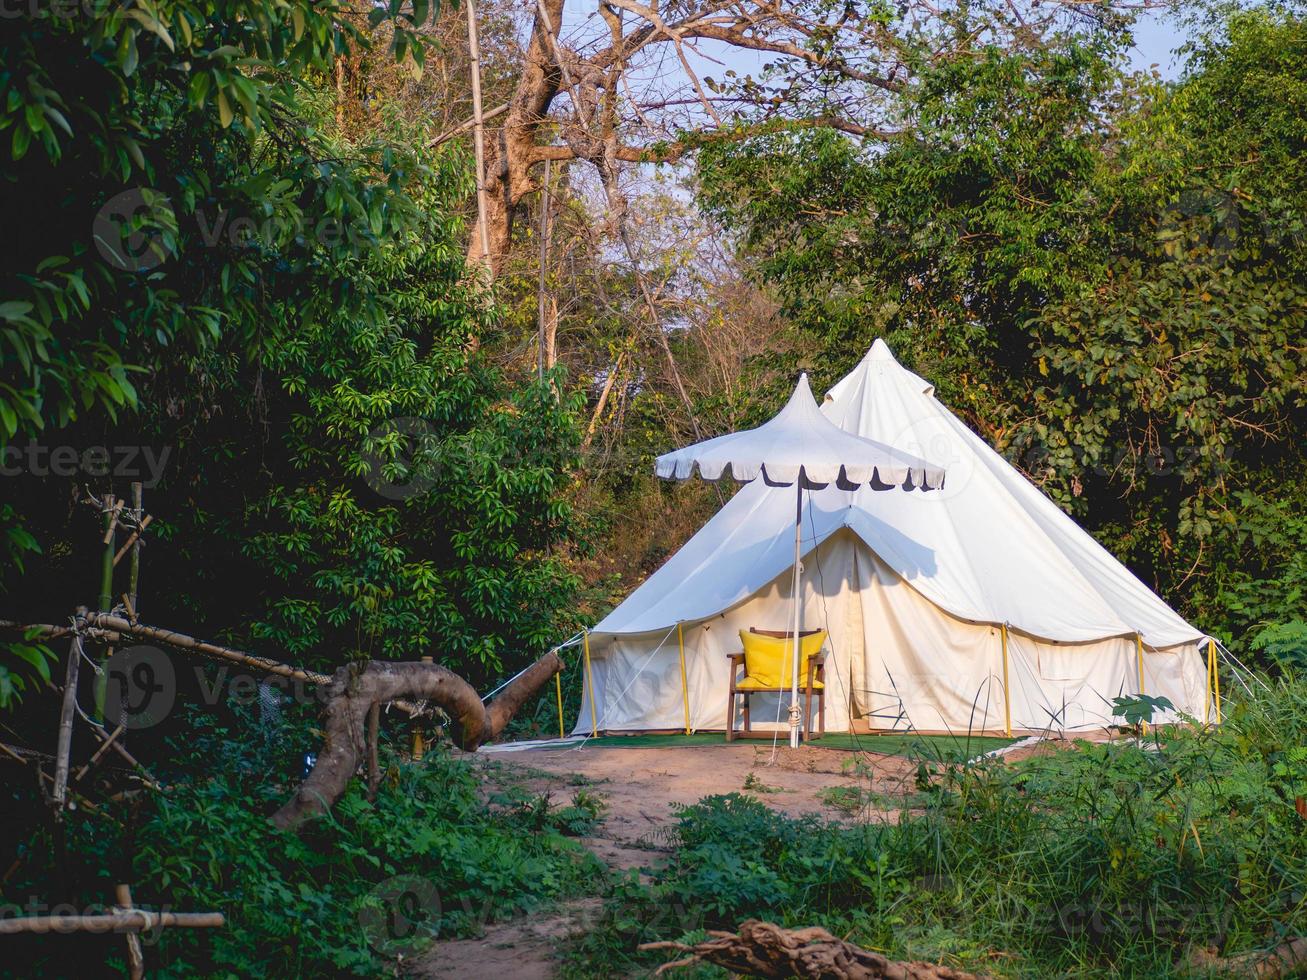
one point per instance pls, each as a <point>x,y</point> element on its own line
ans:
<point>353,692</point>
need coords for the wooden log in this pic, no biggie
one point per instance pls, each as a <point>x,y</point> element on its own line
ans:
<point>135,920</point>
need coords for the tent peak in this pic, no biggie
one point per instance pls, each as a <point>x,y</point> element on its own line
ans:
<point>880,351</point>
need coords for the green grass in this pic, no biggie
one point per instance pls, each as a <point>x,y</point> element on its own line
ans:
<point>934,746</point>
<point>1103,860</point>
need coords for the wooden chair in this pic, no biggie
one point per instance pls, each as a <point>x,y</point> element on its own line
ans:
<point>814,683</point>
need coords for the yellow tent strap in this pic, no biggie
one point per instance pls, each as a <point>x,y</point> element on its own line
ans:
<point>590,682</point>
<point>685,690</point>
<point>1007,701</point>
<point>1216,680</point>
<point>558,690</point>
<point>1139,650</point>
<point>1207,691</point>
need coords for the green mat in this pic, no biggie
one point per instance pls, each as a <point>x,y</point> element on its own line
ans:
<point>930,746</point>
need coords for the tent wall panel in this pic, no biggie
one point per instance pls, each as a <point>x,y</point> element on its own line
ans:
<point>894,657</point>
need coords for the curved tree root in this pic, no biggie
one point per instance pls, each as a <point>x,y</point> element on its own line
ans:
<point>765,950</point>
<point>354,690</point>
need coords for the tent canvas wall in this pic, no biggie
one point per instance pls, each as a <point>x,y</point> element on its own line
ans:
<point>936,605</point>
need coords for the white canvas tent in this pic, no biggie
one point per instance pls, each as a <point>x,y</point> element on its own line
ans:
<point>978,606</point>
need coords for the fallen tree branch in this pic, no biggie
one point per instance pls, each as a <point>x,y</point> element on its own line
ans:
<point>114,629</point>
<point>766,950</point>
<point>1289,959</point>
<point>354,690</point>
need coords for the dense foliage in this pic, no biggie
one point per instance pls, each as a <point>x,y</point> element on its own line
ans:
<point>377,883</point>
<point>1104,273</point>
<point>280,316</point>
<point>1124,859</point>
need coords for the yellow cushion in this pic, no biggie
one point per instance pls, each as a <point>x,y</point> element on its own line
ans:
<point>753,684</point>
<point>767,659</point>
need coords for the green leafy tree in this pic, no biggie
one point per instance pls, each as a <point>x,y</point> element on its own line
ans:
<point>1101,271</point>
<point>213,268</point>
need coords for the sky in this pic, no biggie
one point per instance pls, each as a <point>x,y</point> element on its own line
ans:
<point>1156,36</point>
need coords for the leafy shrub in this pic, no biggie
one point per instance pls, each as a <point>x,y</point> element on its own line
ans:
<point>315,904</point>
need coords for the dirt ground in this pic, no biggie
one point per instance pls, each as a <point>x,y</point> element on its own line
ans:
<point>640,787</point>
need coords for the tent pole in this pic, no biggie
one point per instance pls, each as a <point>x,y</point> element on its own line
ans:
<point>1216,679</point>
<point>1139,652</point>
<point>685,690</point>
<point>794,685</point>
<point>1207,691</point>
<point>1007,702</point>
<point>558,690</point>
<point>590,681</point>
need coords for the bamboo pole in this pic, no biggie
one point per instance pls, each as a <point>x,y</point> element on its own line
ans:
<point>133,539</point>
<point>1139,651</point>
<point>465,125</point>
<point>105,746</point>
<point>478,132</point>
<point>1216,680</point>
<point>134,566</point>
<point>135,958</point>
<point>590,682</point>
<point>104,602</point>
<point>135,920</point>
<point>63,751</point>
<point>558,691</point>
<point>685,689</point>
<point>544,259</point>
<point>1207,688</point>
<point>1007,700</point>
